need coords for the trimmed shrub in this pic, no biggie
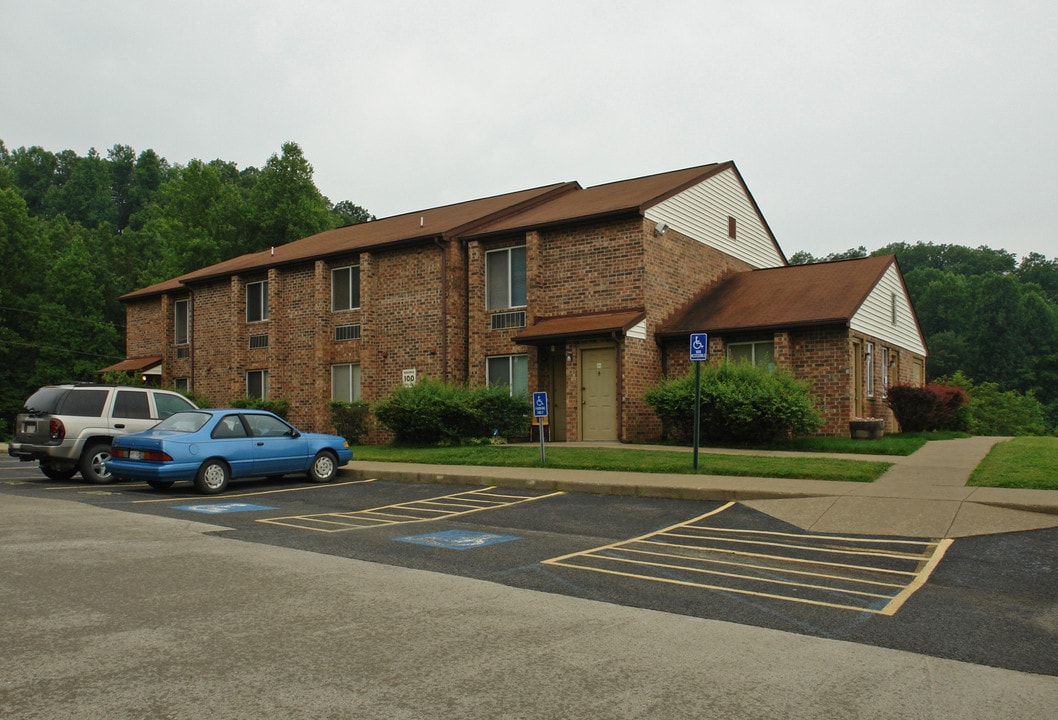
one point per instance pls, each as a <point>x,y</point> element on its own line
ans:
<point>433,412</point>
<point>931,407</point>
<point>350,419</point>
<point>739,404</point>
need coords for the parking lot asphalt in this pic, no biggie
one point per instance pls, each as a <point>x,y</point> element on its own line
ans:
<point>922,495</point>
<point>131,615</point>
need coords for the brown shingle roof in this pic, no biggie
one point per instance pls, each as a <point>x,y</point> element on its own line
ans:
<point>564,327</point>
<point>796,295</point>
<point>625,196</point>
<point>134,365</point>
<point>422,225</point>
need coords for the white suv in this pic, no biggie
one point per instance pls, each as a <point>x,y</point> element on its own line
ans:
<point>68,428</point>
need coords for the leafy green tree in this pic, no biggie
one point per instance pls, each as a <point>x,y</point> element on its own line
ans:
<point>285,203</point>
<point>346,213</point>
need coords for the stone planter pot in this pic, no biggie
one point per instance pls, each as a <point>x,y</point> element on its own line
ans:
<point>866,429</point>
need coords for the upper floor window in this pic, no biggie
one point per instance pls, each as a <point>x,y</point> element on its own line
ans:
<point>505,278</point>
<point>257,301</point>
<point>345,288</point>
<point>759,354</point>
<point>181,322</point>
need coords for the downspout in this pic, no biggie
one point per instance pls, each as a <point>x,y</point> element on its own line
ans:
<point>444,308</point>
<point>191,338</point>
<point>620,385</point>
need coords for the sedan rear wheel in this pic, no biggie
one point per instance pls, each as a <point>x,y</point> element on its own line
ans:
<point>212,477</point>
<point>324,467</point>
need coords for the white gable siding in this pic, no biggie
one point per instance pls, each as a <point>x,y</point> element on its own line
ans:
<point>875,316</point>
<point>639,330</point>
<point>701,212</point>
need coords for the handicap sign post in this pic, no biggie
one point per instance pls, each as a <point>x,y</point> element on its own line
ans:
<point>540,411</point>
<point>699,353</point>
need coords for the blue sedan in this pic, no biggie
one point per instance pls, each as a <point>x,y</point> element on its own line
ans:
<point>211,447</point>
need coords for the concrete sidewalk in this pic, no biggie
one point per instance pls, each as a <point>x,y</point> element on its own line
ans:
<point>922,495</point>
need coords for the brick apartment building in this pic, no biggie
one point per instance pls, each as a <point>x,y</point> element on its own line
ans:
<point>589,294</point>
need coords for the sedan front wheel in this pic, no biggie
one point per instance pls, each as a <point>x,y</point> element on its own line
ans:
<point>324,467</point>
<point>212,477</point>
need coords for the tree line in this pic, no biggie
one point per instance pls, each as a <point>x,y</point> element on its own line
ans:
<point>77,232</point>
<point>987,317</point>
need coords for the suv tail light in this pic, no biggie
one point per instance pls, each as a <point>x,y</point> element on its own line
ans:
<point>56,430</point>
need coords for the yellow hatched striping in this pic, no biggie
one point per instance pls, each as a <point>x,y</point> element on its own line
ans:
<point>436,508</point>
<point>862,574</point>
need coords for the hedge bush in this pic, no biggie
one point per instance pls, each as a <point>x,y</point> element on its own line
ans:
<point>433,412</point>
<point>990,411</point>
<point>930,407</point>
<point>740,403</point>
<point>350,419</point>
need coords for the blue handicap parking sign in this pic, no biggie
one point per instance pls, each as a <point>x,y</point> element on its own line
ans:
<point>540,404</point>
<point>457,539</point>
<point>699,346</point>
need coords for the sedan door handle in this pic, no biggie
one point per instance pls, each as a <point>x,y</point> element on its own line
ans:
<point>260,443</point>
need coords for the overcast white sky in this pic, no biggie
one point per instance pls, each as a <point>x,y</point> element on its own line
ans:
<point>853,123</point>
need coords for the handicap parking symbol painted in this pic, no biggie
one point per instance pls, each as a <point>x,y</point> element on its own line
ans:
<point>457,539</point>
<point>218,508</point>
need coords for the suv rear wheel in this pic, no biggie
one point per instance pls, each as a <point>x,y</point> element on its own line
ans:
<point>92,465</point>
<point>57,472</point>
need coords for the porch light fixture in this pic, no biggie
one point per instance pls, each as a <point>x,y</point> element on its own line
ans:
<point>660,229</point>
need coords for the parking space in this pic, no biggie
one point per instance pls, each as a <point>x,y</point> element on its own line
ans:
<point>861,574</point>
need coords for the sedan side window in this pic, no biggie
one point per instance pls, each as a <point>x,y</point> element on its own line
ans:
<point>267,426</point>
<point>229,427</point>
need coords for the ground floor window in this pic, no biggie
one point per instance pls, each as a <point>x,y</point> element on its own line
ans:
<point>509,370</point>
<point>345,382</point>
<point>257,384</point>
<point>181,384</point>
<point>760,354</point>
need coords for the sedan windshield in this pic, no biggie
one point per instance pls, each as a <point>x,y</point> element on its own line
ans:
<point>184,421</point>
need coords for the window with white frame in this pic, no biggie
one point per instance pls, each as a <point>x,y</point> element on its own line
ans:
<point>345,382</point>
<point>885,371</point>
<point>505,278</point>
<point>257,301</point>
<point>345,288</point>
<point>181,384</point>
<point>759,354</point>
<point>181,322</point>
<point>257,384</point>
<point>868,368</point>
<point>509,370</point>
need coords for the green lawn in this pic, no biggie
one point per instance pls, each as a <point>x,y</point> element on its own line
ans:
<point>630,460</point>
<point>1024,462</point>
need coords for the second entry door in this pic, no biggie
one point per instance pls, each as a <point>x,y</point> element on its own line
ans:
<point>599,394</point>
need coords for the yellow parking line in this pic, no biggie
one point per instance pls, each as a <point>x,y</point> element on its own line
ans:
<point>225,496</point>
